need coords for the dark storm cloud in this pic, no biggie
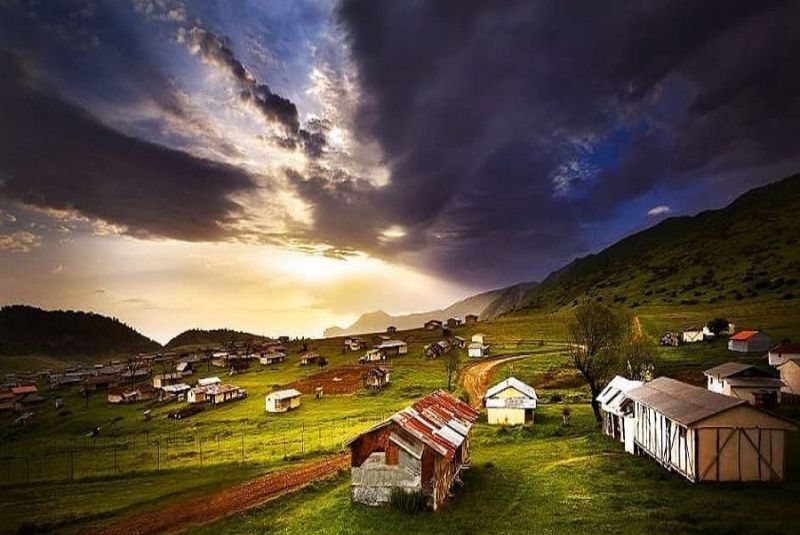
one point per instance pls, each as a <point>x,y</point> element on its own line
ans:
<point>508,128</point>
<point>55,155</point>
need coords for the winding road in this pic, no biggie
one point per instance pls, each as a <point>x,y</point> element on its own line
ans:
<point>475,377</point>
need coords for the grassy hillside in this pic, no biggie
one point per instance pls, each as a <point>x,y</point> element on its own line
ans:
<point>214,337</point>
<point>27,330</point>
<point>747,251</point>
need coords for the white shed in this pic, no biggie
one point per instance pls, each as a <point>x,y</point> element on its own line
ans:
<point>510,402</point>
<point>283,400</point>
<point>692,335</point>
<point>618,419</point>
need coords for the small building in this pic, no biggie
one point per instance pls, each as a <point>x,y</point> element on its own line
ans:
<point>24,390</point>
<point>478,347</point>
<point>422,448</point>
<point>219,394</point>
<point>706,436</point>
<point>185,368</point>
<point>470,319</point>
<point>460,342</point>
<point>283,400</point>
<point>432,350</point>
<point>790,377</point>
<point>692,335</point>
<point>453,322</point>
<point>783,352</point>
<point>176,391</point>
<point>510,402</point>
<point>618,422</point>
<point>164,379</point>
<point>309,358</point>
<point>393,348</point>
<point>355,343</point>
<point>391,329</point>
<point>758,387</point>
<point>432,325</point>
<point>749,342</point>
<point>373,355</point>
<point>130,395</point>
<point>268,359</point>
<point>99,382</point>
<point>208,381</point>
<point>377,378</point>
<point>196,395</point>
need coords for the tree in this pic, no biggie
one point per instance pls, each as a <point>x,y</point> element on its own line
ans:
<point>717,325</point>
<point>595,334</point>
<point>638,359</point>
<point>452,363</point>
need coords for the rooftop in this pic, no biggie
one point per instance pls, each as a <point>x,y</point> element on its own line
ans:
<point>684,403</point>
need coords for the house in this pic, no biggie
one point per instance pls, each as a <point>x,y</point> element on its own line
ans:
<point>422,448</point>
<point>478,347</point>
<point>177,391</point>
<point>24,390</point>
<point>28,400</point>
<point>783,352</point>
<point>163,379</point>
<point>460,342</point>
<point>130,395</point>
<point>268,359</point>
<point>433,325</point>
<point>377,378</point>
<point>758,387</point>
<point>208,381</point>
<point>749,342</point>
<point>510,402</point>
<point>453,322</point>
<point>309,358</point>
<point>692,335</point>
<point>185,368</point>
<point>196,395</point>
<point>470,319</point>
<point>356,344</point>
<point>283,400</point>
<point>373,355</point>
<point>391,329</point>
<point>219,394</point>
<point>99,382</point>
<point>393,348</point>
<point>790,377</point>
<point>706,436</point>
<point>618,422</point>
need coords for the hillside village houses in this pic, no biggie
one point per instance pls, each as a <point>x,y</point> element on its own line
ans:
<point>391,329</point>
<point>377,378</point>
<point>706,436</point>
<point>164,379</point>
<point>478,347</point>
<point>510,402</point>
<point>433,324</point>
<point>749,342</point>
<point>309,358</point>
<point>758,387</point>
<point>470,319</point>
<point>453,322</point>
<point>422,448</point>
<point>617,417</point>
<point>283,400</point>
<point>783,352</point>
<point>268,359</point>
<point>392,348</point>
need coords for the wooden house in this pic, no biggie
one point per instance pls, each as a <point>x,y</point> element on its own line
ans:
<point>705,436</point>
<point>783,352</point>
<point>478,347</point>
<point>749,342</point>
<point>393,348</point>
<point>377,378</point>
<point>309,358</point>
<point>99,382</point>
<point>422,448</point>
<point>470,319</point>
<point>355,343</point>
<point>453,322</point>
<point>757,387</point>
<point>373,355</point>
<point>164,379</point>
<point>790,377</point>
<point>618,418</point>
<point>510,402</point>
<point>283,400</point>
<point>433,325</point>
<point>268,359</point>
<point>391,329</point>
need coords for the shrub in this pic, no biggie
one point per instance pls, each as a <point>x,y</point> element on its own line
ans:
<point>407,501</point>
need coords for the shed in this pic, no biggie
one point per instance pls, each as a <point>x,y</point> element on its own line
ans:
<point>422,448</point>
<point>283,400</point>
<point>377,377</point>
<point>392,348</point>
<point>510,402</point>
<point>705,436</point>
<point>309,358</point>
<point>470,319</point>
<point>268,359</point>
<point>373,355</point>
<point>758,387</point>
<point>749,342</point>
<point>790,377</point>
<point>618,421</point>
<point>692,335</point>
<point>208,381</point>
<point>783,352</point>
<point>433,324</point>
<point>163,379</point>
<point>477,349</point>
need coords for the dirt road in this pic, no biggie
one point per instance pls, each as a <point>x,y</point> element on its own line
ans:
<point>475,377</point>
<point>232,500</point>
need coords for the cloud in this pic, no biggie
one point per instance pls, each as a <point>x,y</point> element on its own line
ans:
<point>19,242</point>
<point>659,210</point>
<point>54,155</point>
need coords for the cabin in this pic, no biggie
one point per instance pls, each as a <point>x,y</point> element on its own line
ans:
<point>391,329</point>
<point>176,391</point>
<point>283,400</point>
<point>453,322</point>
<point>196,395</point>
<point>783,352</point>
<point>376,378</point>
<point>758,387</point>
<point>618,422</point>
<point>309,358</point>
<point>790,377</point>
<point>692,335</point>
<point>393,348</point>
<point>185,367</point>
<point>422,448</point>
<point>99,382</point>
<point>356,343</point>
<point>268,359</point>
<point>510,402</point>
<point>432,325</point>
<point>219,394</point>
<point>163,379</point>
<point>373,355</point>
<point>460,342</point>
<point>470,319</point>
<point>118,396</point>
<point>478,347</point>
<point>749,342</point>
<point>706,436</point>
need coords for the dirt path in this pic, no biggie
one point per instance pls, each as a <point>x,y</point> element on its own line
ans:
<point>235,499</point>
<point>475,377</point>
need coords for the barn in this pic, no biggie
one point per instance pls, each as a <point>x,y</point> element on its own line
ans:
<point>422,448</point>
<point>706,436</point>
<point>758,387</point>
<point>510,402</point>
<point>618,421</point>
<point>749,342</point>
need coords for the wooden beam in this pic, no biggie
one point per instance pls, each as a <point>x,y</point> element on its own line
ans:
<point>715,460</point>
<point>769,464</point>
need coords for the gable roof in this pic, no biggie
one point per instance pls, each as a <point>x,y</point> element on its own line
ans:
<point>616,392</point>
<point>516,384</point>
<point>684,403</point>
<point>744,335</point>
<point>284,394</point>
<point>727,369</point>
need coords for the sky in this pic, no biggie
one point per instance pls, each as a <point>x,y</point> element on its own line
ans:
<point>281,167</point>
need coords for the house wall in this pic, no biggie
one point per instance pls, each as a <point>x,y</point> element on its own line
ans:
<point>748,394</point>
<point>668,442</point>
<point>790,375</point>
<point>506,416</point>
<point>715,386</point>
<point>740,454</point>
<point>776,359</point>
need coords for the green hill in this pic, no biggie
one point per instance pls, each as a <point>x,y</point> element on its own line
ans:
<point>26,330</point>
<point>213,337</point>
<point>749,250</point>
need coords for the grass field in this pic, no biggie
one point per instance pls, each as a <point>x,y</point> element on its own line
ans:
<point>549,479</point>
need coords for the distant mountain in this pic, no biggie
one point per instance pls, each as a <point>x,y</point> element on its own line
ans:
<point>26,330</point>
<point>486,305</point>
<point>214,337</point>
<point>748,250</point>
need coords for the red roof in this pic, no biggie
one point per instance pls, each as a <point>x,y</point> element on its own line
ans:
<point>744,335</point>
<point>20,390</point>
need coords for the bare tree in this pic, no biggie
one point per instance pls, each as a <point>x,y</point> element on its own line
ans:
<point>638,359</point>
<point>595,336</point>
<point>452,363</point>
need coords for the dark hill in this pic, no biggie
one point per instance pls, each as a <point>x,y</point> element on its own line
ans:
<point>214,337</point>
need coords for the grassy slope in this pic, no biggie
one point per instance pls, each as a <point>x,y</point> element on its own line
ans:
<point>213,338</point>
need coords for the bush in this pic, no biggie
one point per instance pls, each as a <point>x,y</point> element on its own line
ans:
<point>407,501</point>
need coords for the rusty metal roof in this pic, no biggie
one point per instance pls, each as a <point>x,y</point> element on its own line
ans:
<point>684,403</point>
<point>744,335</point>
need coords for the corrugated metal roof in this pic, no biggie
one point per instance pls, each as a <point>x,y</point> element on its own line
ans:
<point>744,335</point>
<point>615,393</point>
<point>727,369</point>
<point>684,403</point>
<point>208,381</point>
<point>284,394</point>
<point>511,382</point>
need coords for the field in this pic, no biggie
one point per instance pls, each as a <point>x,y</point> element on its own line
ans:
<point>548,479</point>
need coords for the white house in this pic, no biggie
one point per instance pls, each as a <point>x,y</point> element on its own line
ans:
<point>745,381</point>
<point>692,335</point>
<point>283,400</point>
<point>510,402</point>
<point>208,381</point>
<point>749,342</point>
<point>784,352</point>
<point>478,347</point>
<point>268,359</point>
<point>618,421</point>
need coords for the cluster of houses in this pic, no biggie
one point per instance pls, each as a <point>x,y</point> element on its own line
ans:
<point>693,335</point>
<point>385,349</point>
